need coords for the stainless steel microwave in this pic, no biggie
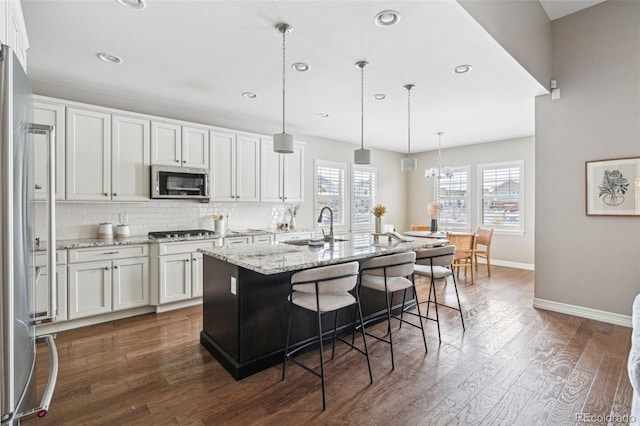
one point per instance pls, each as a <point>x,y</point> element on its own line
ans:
<point>179,182</point>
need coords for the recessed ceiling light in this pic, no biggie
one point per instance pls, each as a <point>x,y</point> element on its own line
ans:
<point>133,4</point>
<point>111,59</point>
<point>387,18</point>
<point>379,96</point>
<point>462,69</point>
<point>249,95</point>
<point>301,67</point>
<point>323,115</point>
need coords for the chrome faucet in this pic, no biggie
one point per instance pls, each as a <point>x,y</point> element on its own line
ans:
<point>330,226</point>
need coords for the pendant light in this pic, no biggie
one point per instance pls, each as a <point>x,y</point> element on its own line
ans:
<point>283,142</point>
<point>362,156</point>
<point>437,172</point>
<point>409,163</point>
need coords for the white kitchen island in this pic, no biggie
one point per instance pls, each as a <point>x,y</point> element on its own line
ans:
<point>245,306</point>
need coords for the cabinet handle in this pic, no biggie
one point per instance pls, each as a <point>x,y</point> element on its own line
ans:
<point>111,252</point>
<point>116,267</point>
<point>195,260</point>
<point>237,196</point>
<point>184,161</point>
<point>115,194</point>
<point>186,260</point>
<point>106,268</point>
<point>177,161</point>
<point>106,194</point>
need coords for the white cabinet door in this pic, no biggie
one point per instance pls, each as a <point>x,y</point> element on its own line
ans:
<point>130,158</point>
<point>270,173</point>
<point>196,274</point>
<point>195,147</point>
<point>51,114</point>
<point>232,241</point>
<point>175,277</point>
<point>130,283</point>
<point>166,144</point>
<point>247,168</point>
<point>16,30</point>
<point>88,165</point>
<point>293,170</point>
<point>223,170</point>
<point>42,291</point>
<point>263,239</point>
<point>89,289</point>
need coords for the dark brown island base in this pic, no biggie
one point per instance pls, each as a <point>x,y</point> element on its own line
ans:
<point>245,307</point>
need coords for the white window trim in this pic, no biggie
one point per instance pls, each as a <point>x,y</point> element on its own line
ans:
<point>466,227</point>
<point>347,205</point>
<point>371,225</point>
<point>498,229</point>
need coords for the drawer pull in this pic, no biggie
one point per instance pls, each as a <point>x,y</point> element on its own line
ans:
<point>111,252</point>
<point>106,268</point>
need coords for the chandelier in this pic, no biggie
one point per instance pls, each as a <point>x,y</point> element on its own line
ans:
<point>439,172</point>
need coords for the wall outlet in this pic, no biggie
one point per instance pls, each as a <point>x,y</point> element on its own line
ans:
<point>233,285</point>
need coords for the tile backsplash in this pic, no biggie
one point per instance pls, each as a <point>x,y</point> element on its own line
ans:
<point>80,220</point>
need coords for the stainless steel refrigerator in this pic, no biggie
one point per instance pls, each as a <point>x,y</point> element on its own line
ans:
<point>18,246</point>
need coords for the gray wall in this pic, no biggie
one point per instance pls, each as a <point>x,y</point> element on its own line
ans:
<point>588,261</point>
<point>521,27</point>
<point>505,249</point>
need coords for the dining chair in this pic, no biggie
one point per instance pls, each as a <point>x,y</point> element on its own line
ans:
<point>322,290</point>
<point>420,227</point>
<point>463,258</point>
<point>483,238</point>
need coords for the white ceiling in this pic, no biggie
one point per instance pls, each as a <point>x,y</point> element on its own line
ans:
<point>201,55</point>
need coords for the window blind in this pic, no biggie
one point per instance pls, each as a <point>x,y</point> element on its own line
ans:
<point>501,197</point>
<point>330,191</point>
<point>363,197</point>
<point>454,196</point>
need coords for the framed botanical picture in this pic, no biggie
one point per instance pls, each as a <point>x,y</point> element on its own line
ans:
<point>613,187</point>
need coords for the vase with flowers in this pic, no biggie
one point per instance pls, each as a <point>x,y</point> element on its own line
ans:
<point>433,208</point>
<point>293,212</point>
<point>378,212</point>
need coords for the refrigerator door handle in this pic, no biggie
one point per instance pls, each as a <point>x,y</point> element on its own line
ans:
<point>50,131</point>
<point>43,409</point>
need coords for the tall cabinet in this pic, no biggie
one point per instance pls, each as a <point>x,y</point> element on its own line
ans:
<point>235,163</point>
<point>282,175</point>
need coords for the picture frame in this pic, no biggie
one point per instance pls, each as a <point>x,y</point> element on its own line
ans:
<point>613,187</point>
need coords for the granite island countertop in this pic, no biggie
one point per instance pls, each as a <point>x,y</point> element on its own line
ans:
<point>276,258</point>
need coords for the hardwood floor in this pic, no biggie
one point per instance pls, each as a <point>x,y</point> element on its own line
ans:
<point>514,365</point>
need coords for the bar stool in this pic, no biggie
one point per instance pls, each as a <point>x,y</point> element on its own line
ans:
<point>321,290</point>
<point>433,263</point>
<point>390,274</point>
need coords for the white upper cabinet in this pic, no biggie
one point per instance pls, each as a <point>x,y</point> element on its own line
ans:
<point>166,144</point>
<point>13,31</point>
<point>235,164</point>
<point>130,158</point>
<point>179,146</point>
<point>88,162</point>
<point>52,114</point>
<point>282,175</point>
<point>107,156</point>
<point>195,147</point>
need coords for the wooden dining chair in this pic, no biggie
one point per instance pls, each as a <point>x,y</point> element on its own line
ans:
<point>420,227</point>
<point>464,255</point>
<point>483,238</point>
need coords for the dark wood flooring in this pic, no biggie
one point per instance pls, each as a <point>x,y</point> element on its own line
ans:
<point>514,365</point>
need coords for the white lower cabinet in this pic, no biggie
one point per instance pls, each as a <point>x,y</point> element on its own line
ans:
<point>248,239</point>
<point>176,270</point>
<point>289,236</point>
<point>110,282</point>
<point>42,286</point>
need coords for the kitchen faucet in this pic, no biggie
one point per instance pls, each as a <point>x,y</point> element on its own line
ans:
<point>330,226</point>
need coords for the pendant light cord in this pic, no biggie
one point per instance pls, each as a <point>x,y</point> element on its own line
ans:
<point>362,107</point>
<point>408,121</point>
<point>439,139</point>
<point>284,73</point>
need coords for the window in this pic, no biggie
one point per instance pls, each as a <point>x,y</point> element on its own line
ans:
<point>363,197</point>
<point>330,192</point>
<point>501,196</point>
<point>454,196</point>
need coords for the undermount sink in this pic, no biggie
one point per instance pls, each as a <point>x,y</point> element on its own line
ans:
<point>306,242</point>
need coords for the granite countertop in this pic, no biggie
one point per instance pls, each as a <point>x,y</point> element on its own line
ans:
<point>279,257</point>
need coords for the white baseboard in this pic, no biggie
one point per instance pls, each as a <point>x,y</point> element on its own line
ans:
<point>580,311</point>
<point>508,264</point>
<point>178,305</point>
<point>56,327</point>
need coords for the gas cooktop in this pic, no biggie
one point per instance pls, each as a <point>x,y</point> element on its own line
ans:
<point>182,233</point>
